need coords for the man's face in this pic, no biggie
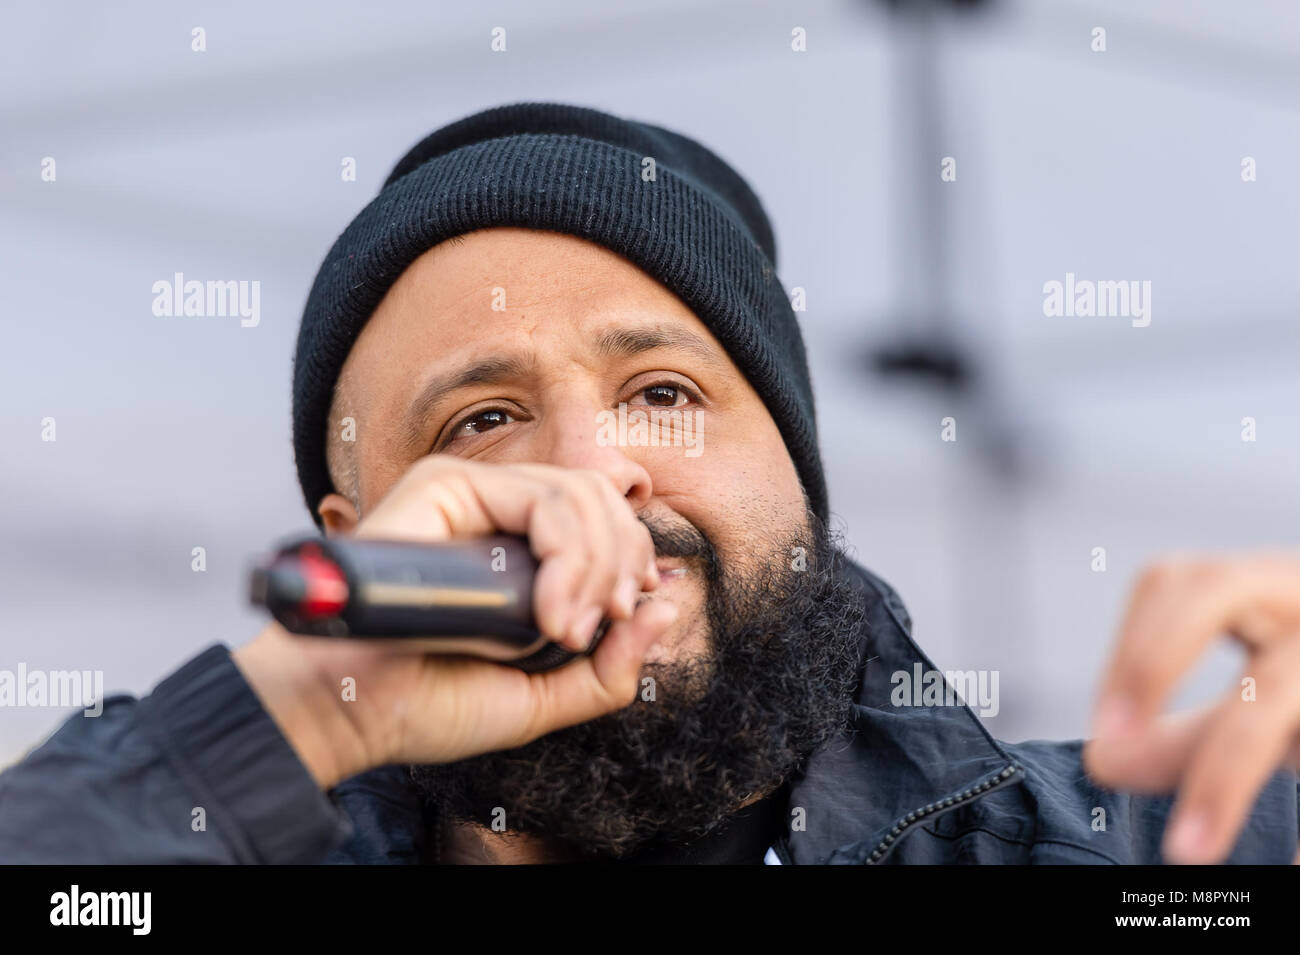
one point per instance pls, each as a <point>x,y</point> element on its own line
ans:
<point>521,346</point>
<point>517,345</point>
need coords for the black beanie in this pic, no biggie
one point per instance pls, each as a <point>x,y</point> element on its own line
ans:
<point>696,226</point>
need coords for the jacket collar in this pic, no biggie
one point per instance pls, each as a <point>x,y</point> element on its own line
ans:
<point>895,766</point>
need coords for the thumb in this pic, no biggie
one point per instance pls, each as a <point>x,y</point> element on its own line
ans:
<point>606,680</point>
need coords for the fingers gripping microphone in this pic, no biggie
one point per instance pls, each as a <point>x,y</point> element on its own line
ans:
<point>469,597</point>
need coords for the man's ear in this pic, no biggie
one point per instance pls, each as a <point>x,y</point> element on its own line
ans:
<point>337,514</point>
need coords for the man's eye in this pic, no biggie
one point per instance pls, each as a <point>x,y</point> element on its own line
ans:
<point>479,422</point>
<point>663,396</point>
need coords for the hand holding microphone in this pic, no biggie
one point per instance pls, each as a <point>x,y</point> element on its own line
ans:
<point>593,559</point>
<point>472,597</point>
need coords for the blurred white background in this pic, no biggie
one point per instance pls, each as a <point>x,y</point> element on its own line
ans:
<point>173,433</point>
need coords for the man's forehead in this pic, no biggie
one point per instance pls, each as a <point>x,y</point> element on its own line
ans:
<point>499,296</point>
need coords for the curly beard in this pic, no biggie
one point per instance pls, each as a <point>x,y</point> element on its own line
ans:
<point>776,683</point>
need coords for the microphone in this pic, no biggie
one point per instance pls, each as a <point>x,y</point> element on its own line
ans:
<point>469,597</point>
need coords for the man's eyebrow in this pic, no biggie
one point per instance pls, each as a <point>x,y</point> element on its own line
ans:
<point>625,342</point>
<point>487,371</point>
<point>614,343</point>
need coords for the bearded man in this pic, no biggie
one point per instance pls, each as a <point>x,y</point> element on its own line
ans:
<point>523,274</point>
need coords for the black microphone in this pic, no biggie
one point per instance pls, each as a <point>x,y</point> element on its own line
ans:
<point>471,597</point>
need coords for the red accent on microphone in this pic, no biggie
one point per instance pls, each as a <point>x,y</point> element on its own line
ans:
<point>325,588</point>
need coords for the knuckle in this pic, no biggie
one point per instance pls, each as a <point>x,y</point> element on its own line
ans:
<point>1181,570</point>
<point>556,575</point>
<point>432,466</point>
<point>450,493</point>
<point>1237,575</point>
<point>605,576</point>
<point>599,486</point>
<point>1162,574</point>
<point>1155,576</point>
<point>1205,573</point>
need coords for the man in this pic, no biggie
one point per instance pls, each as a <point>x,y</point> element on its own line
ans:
<point>489,347</point>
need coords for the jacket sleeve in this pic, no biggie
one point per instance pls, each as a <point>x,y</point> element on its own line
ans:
<point>195,772</point>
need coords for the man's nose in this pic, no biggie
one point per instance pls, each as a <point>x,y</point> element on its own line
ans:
<point>573,442</point>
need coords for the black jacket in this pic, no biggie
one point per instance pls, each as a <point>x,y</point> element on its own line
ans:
<point>197,771</point>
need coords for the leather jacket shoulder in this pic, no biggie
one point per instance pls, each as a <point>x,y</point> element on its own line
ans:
<point>916,784</point>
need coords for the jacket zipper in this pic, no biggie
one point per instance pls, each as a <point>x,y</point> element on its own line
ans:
<point>905,824</point>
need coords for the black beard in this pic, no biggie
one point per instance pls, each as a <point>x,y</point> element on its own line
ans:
<point>776,685</point>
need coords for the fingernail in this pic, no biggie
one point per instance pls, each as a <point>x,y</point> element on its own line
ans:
<point>1188,837</point>
<point>585,628</point>
<point>1115,717</point>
